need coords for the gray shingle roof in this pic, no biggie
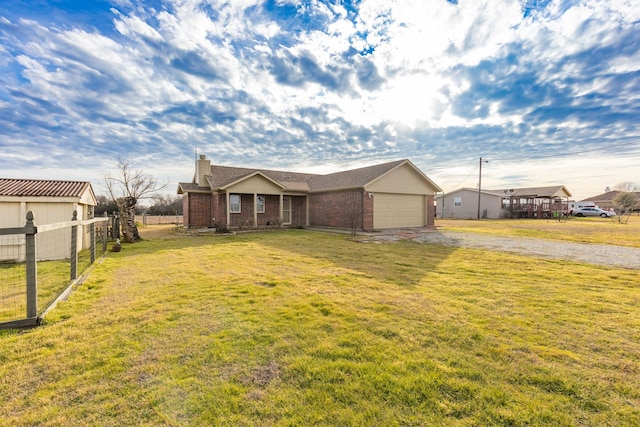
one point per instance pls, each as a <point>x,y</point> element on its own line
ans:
<point>222,176</point>
<point>554,191</point>
<point>354,178</point>
<point>42,188</point>
<point>608,196</point>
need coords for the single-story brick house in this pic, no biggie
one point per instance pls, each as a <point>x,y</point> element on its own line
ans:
<point>51,201</point>
<point>530,202</point>
<point>389,195</point>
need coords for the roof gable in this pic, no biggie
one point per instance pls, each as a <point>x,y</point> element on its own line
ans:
<point>256,181</point>
<point>404,178</point>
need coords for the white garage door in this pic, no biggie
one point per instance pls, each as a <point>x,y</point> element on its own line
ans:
<point>398,210</point>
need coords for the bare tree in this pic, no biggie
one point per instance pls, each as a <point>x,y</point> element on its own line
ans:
<point>126,188</point>
<point>627,187</point>
<point>353,212</point>
<point>623,204</point>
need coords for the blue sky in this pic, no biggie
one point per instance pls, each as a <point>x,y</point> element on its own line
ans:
<point>547,91</point>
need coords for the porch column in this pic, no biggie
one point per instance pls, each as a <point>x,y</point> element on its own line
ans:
<point>255,210</point>
<point>228,209</point>
<point>281,210</point>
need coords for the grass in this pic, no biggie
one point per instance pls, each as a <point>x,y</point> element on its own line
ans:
<point>303,328</point>
<point>582,230</point>
<point>53,278</point>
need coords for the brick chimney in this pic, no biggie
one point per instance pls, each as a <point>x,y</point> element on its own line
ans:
<point>203,167</point>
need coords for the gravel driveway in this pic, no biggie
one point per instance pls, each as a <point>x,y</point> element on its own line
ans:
<point>609,255</point>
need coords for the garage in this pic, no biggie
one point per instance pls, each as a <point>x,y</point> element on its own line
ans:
<point>398,210</point>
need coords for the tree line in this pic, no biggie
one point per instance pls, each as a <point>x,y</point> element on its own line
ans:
<point>161,205</point>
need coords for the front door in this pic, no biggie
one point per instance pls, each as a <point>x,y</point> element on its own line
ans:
<point>286,210</point>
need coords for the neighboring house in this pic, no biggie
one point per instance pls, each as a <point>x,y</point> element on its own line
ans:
<point>605,200</point>
<point>532,202</point>
<point>389,195</point>
<point>51,202</point>
<point>463,204</point>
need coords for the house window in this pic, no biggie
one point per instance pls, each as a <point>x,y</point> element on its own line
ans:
<point>260,204</point>
<point>234,203</point>
<point>457,201</point>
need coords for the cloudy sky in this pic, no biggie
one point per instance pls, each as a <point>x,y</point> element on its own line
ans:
<point>547,91</point>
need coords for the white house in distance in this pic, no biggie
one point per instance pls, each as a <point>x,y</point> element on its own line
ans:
<point>51,202</point>
<point>532,202</point>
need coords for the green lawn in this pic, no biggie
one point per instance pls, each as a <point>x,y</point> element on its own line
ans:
<point>303,328</point>
<point>53,278</point>
<point>582,230</point>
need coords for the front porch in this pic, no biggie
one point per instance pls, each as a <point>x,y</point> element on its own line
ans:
<point>264,210</point>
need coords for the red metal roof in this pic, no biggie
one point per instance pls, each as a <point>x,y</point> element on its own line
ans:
<point>39,187</point>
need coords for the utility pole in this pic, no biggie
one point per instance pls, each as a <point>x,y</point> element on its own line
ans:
<point>480,184</point>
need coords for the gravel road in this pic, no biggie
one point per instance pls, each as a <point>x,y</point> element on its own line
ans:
<point>609,255</point>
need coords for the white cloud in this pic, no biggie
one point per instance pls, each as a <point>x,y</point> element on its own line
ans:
<point>205,74</point>
<point>134,26</point>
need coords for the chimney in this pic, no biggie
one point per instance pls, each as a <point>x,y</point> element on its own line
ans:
<point>203,167</point>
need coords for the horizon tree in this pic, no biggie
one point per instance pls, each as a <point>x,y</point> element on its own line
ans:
<point>627,187</point>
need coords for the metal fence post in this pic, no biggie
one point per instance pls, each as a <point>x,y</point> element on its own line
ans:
<point>92,241</point>
<point>104,234</point>
<point>31,266</point>
<point>74,247</point>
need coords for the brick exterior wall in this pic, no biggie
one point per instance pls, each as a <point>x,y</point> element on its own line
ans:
<point>367,212</point>
<point>197,210</point>
<point>243,219</point>
<point>344,209</point>
<point>185,210</point>
<point>271,211</point>
<point>298,211</point>
<point>217,215</point>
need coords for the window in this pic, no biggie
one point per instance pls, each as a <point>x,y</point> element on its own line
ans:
<point>234,203</point>
<point>457,201</point>
<point>260,204</point>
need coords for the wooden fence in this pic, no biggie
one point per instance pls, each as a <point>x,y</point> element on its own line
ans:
<point>159,219</point>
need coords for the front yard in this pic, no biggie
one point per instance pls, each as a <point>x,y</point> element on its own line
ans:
<point>304,328</point>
